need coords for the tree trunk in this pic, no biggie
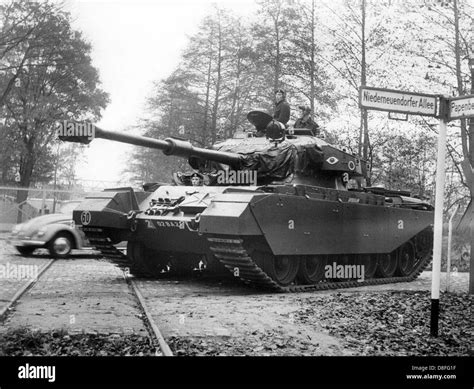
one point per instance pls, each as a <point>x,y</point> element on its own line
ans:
<point>470,172</point>
<point>276,80</point>
<point>235,97</point>
<point>206,104</point>
<point>215,107</point>
<point>312,67</point>
<point>364,128</point>
<point>467,137</point>
<point>26,172</point>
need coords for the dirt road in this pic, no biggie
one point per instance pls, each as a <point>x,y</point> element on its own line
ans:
<point>196,315</point>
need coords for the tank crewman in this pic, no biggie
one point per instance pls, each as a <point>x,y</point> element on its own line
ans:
<point>196,180</point>
<point>282,108</point>
<point>305,120</point>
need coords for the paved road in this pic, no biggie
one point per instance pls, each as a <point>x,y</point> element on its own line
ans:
<point>245,318</point>
<point>16,271</point>
<point>85,294</point>
<point>82,294</point>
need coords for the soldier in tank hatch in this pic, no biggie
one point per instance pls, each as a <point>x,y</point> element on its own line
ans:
<point>306,121</point>
<point>282,108</point>
<point>196,180</point>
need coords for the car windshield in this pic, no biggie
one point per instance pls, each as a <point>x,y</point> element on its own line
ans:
<point>68,207</point>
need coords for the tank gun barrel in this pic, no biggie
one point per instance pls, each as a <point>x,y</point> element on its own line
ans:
<point>169,146</point>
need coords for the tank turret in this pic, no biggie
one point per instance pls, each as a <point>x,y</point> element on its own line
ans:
<point>281,156</point>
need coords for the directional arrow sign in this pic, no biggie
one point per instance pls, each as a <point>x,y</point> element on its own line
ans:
<point>397,101</point>
<point>461,107</point>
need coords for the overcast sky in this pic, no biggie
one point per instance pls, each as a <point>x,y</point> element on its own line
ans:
<point>134,43</point>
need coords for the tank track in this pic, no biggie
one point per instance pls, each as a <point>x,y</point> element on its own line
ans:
<point>99,240</point>
<point>232,254</point>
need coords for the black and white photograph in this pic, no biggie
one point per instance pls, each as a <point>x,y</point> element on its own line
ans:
<point>279,191</point>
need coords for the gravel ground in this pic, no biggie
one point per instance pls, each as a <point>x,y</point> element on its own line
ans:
<point>25,342</point>
<point>83,306</point>
<point>393,323</point>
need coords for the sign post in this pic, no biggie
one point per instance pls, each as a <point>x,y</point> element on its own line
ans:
<point>450,109</point>
<point>461,107</point>
<point>426,105</point>
<point>438,228</point>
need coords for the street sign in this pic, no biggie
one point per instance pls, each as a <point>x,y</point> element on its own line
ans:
<point>398,101</point>
<point>423,104</point>
<point>461,107</point>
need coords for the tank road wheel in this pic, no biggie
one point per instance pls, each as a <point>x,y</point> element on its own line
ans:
<point>281,269</point>
<point>386,264</point>
<point>311,269</point>
<point>369,262</point>
<point>406,259</point>
<point>182,264</point>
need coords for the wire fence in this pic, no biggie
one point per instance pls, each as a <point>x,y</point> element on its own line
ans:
<point>18,205</point>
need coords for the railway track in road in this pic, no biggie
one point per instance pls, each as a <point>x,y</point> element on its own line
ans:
<point>23,289</point>
<point>61,276</point>
<point>153,329</point>
<point>118,257</point>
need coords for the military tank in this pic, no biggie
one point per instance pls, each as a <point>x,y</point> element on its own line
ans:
<point>278,208</point>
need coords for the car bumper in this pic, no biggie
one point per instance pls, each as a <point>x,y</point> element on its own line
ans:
<point>25,242</point>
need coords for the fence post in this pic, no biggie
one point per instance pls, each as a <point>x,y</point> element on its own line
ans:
<point>43,203</point>
<point>448,260</point>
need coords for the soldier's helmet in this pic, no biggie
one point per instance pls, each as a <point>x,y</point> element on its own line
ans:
<point>196,179</point>
<point>279,90</point>
<point>275,131</point>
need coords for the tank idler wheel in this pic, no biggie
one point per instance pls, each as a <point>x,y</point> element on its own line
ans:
<point>406,259</point>
<point>424,242</point>
<point>386,264</point>
<point>311,269</point>
<point>282,269</point>
<point>139,255</point>
<point>370,264</point>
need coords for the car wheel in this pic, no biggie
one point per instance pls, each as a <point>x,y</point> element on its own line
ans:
<point>61,245</point>
<point>25,250</point>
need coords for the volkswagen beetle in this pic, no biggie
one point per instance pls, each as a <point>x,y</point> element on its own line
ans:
<point>55,232</point>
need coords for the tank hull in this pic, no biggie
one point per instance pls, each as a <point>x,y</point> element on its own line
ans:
<point>297,223</point>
